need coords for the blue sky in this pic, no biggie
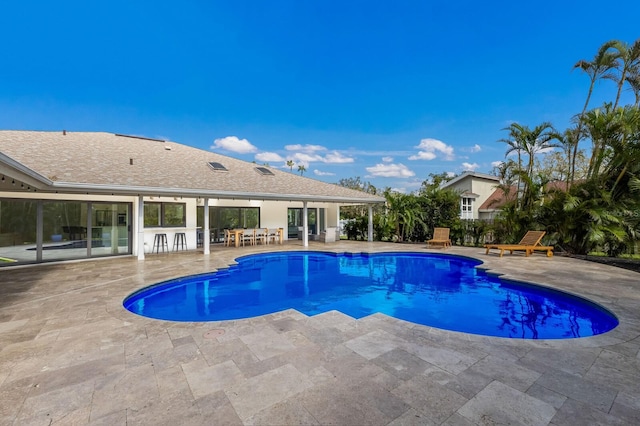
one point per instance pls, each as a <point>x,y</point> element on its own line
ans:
<point>387,91</point>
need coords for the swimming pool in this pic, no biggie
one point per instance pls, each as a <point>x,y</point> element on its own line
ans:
<point>441,291</point>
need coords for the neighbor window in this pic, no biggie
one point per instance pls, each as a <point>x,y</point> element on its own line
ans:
<point>466,210</point>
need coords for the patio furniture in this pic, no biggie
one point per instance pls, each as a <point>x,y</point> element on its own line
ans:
<point>529,243</point>
<point>276,235</point>
<point>160,241</point>
<point>179,241</point>
<point>329,235</point>
<point>230,237</point>
<point>247,235</point>
<point>261,234</point>
<point>440,237</point>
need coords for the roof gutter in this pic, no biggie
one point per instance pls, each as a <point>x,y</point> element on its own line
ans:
<point>202,193</point>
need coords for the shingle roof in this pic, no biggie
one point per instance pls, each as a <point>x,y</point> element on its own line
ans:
<point>98,162</point>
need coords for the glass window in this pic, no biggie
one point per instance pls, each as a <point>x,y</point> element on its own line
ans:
<point>65,231</point>
<point>164,214</point>
<point>18,224</point>
<point>174,215</point>
<point>152,216</point>
<point>221,218</point>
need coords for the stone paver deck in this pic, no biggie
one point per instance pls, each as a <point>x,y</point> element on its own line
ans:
<point>70,354</point>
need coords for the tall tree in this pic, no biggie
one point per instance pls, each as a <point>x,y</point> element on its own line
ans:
<point>302,169</point>
<point>634,83</point>
<point>522,139</point>
<point>628,62</point>
<point>514,142</point>
<point>290,164</point>
<point>600,67</point>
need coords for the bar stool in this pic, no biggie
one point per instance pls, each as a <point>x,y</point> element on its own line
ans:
<point>179,241</point>
<point>160,240</point>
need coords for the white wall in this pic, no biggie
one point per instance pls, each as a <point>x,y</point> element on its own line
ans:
<point>484,188</point>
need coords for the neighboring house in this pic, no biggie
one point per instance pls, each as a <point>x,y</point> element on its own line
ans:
<point>475,190</point>
<point>67,195</point>
<point>492,205</point>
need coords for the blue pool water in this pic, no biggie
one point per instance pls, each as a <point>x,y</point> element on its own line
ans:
<point>441,291</point>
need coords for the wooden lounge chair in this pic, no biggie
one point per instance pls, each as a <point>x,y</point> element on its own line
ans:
<point>529,243</point>
<point>440,237</point>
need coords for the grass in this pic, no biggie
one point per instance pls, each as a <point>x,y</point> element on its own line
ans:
<point>622,256</point>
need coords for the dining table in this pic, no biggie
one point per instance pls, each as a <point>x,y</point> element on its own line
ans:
<point>238,233</point>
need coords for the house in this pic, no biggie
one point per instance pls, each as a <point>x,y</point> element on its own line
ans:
<point>68,195</point>
<point>476,191</point>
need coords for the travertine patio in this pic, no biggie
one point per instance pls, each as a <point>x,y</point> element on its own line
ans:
<point>70,354</point>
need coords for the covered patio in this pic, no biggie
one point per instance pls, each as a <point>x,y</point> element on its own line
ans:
<point>71,354</point>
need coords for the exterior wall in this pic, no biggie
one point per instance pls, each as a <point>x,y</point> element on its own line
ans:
<point>484,188</point>
<point>464,185</point>
<point>150,233</point>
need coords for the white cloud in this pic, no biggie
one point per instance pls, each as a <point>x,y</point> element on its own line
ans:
<point>470,166</point>
<point>476,148</point>
<point>308,148</point>
<point>399,190</point>
<point>497,163</point>
<point>545,150</point>
<point>390,170</point>
<point>423,155</point>
<point>268,157</point>
<point>430,148</point>
<point>301,157</point>
<point>387,159</point>
<point>336,157</point>
<point>233,144</point>
<point>451,174</point>
<point>320,173</point>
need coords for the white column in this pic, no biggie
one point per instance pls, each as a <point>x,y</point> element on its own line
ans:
<point>206,238</point>
<point>140,227</point>
<point>370,237</point>
<point>305,225</point>
<point>338,222</point>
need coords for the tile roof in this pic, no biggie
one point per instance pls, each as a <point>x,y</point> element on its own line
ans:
<point>498,199</point>
<point>99,162</point>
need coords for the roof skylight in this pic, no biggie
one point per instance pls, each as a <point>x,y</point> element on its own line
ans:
<point>217,166</point>
<point>264,171</point>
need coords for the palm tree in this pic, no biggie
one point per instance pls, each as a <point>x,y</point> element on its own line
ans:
<point>290,164</point>
<point>302,169</point>
<point>600,67</point>
<point>602,127</point>
<point>531,142</point>
<point>634,81</point>
<point>568,140</point>
<point>515,144</point>
<point>628,62</point>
